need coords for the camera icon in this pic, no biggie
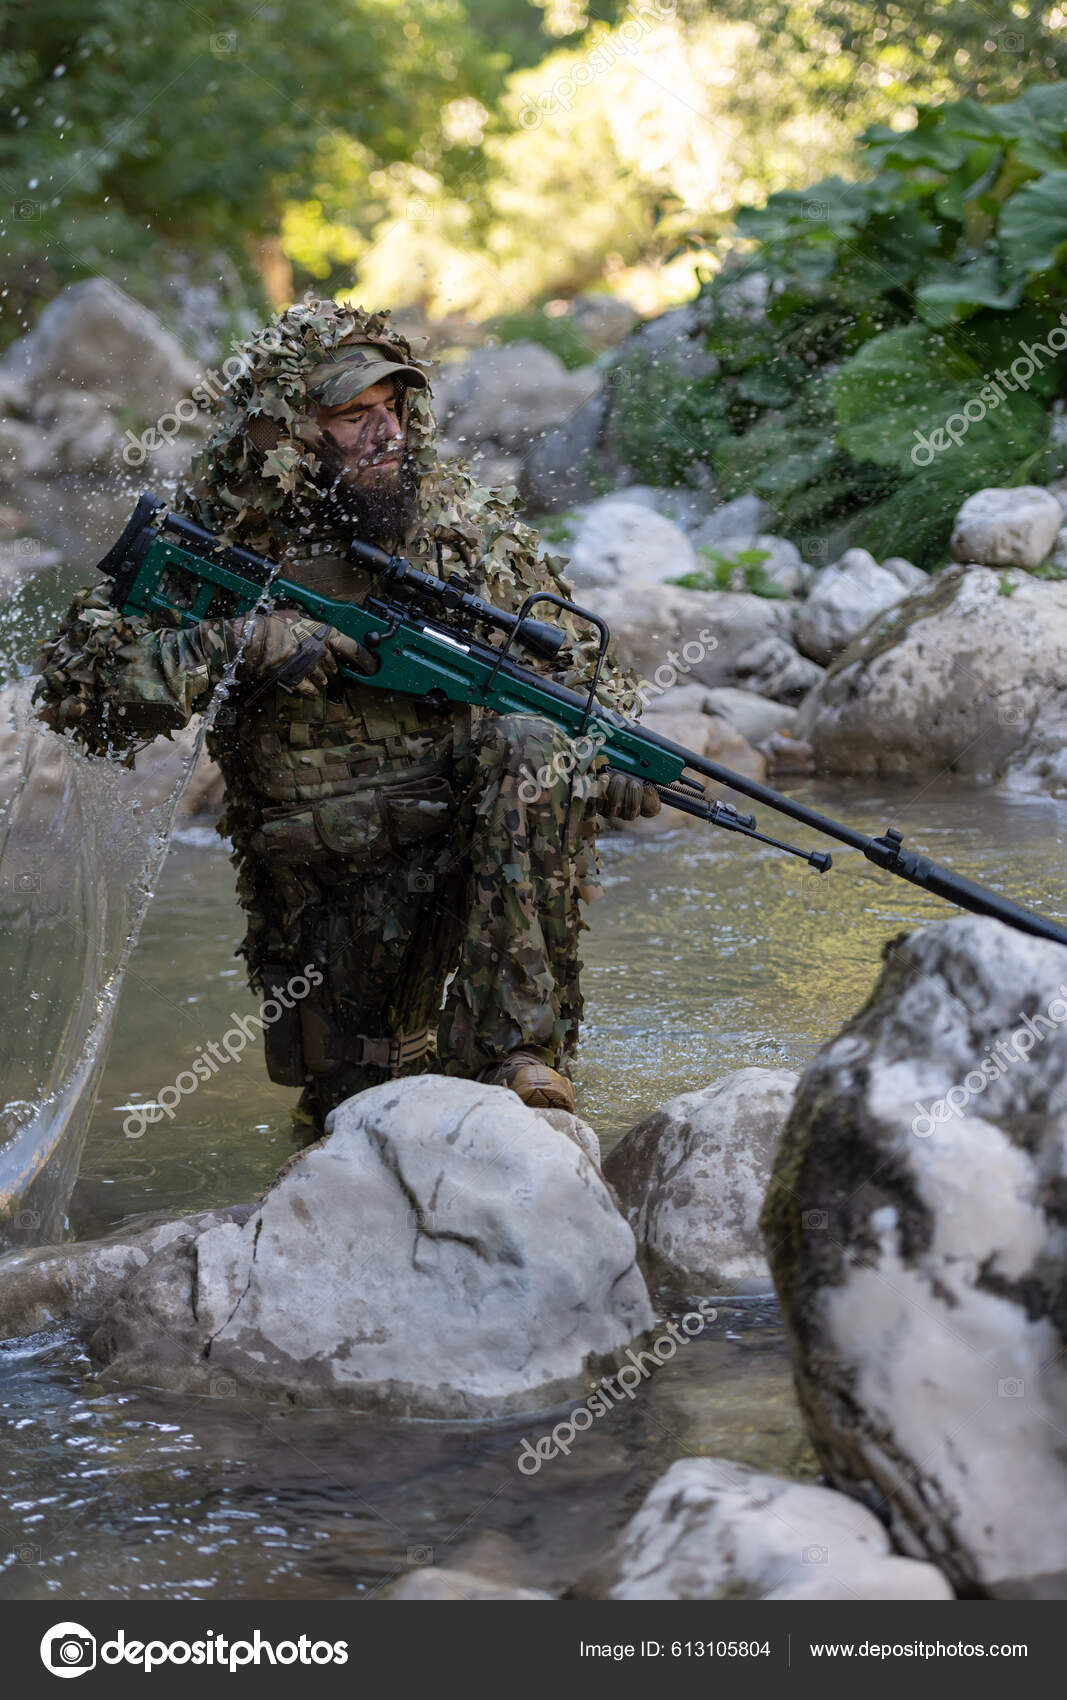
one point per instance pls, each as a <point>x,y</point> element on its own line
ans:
<point>224,42</point>
<point>27,1220</point>
<point>1010,716</point>
<point>223,1386</point>
<point>420,881</point>
<point>814,549</point>
<point>815,1220</point>
<point>27,546</point>
<point>420,1555</point>
<point>619,378</point>
<point>815,1555</point>
<point>1010,41</point>
<point>28,1555</point>
<point>27,882</point>
<point>27,209</point>
<point>424,1220</point>
<point>418,211</point>
<point>68,1649</point>
<point>1011,1388</point>
<point>815,209</point>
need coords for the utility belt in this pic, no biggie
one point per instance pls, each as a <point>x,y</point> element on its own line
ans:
<point>380,818</point>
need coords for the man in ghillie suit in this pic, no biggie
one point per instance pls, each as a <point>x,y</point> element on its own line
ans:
<point>389,842</point>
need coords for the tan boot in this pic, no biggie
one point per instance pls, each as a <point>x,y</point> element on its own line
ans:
<point>533,1080</point>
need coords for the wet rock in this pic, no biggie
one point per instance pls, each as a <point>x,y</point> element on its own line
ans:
<point>438,1582</point>
<point>844,598</point>
<point>951,679</point>
<point>619,543</point>
<point>654,624</point>
<point>508,394</point>
<point>675,338</point>
<point>714,1530</point>
<point>753,716</point>
<point>691,1180</point>
<point>1007,528</point>
<point>575,1129</point>
<point>773,667</point>
<point>745,516</point>
<point>76,1285</point>
<point>784,754</point>
<point>604,320</point>
<point>94,337</point>
<point>444,1252</point>
<point>915,1228</point>
<point>558,466</point>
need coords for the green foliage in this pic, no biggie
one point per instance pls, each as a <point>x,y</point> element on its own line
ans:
<point>743,571</point>
<point>903,357</point>
<point>132,132</point>
<point>560,334</point>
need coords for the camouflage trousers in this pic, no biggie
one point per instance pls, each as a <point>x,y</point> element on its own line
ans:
<point>461,915</point>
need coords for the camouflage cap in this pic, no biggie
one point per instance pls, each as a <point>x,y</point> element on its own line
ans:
<point>353,368</point>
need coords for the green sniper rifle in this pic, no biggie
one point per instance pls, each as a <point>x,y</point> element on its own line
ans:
<point>422,629</point>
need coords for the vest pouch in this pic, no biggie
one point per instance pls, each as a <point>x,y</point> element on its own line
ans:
<point>362,827</point>
<point>283,1047</point>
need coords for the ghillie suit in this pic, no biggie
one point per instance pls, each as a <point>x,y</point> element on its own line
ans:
<point>389,842</point>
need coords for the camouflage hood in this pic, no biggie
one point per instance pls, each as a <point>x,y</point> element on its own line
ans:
<point>256,480</point>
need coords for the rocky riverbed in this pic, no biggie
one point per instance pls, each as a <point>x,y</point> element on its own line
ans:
<point>237,1365</point>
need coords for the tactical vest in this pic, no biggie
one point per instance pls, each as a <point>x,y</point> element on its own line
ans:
<point>291,749</point>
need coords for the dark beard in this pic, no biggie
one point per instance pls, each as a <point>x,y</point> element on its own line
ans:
<point>381,512</point>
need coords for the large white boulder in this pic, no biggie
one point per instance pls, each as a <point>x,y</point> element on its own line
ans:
<point>621,543</point>
<point>753,716</point>
<point>672,636</point>
<point>507,395</point>
<point>1007,528</point>
<point>916,1231</point>
<point>844,598</point>
<point>93,337</point>
<point>714,1530</point>
<point>692,1177</point>
<point>950,679</point>
<point>444,1252</point>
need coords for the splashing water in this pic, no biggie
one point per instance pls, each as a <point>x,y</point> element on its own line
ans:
<point>79,856</point>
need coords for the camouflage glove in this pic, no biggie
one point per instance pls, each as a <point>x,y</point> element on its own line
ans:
<point>293,651</point>
<point>626,797</point>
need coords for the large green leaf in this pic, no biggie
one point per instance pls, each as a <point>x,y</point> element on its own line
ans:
<point>954,292</point>
<point>910,382</point>
<point>1033,224</point>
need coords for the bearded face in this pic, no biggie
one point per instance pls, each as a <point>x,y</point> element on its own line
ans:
<point>366,469</point>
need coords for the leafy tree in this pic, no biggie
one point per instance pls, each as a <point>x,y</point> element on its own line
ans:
<point>910,350</point>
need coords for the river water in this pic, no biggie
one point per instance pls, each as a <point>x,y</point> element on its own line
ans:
<point>706,954</point>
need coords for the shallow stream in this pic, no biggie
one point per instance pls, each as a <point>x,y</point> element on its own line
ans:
<point>706,954</point>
